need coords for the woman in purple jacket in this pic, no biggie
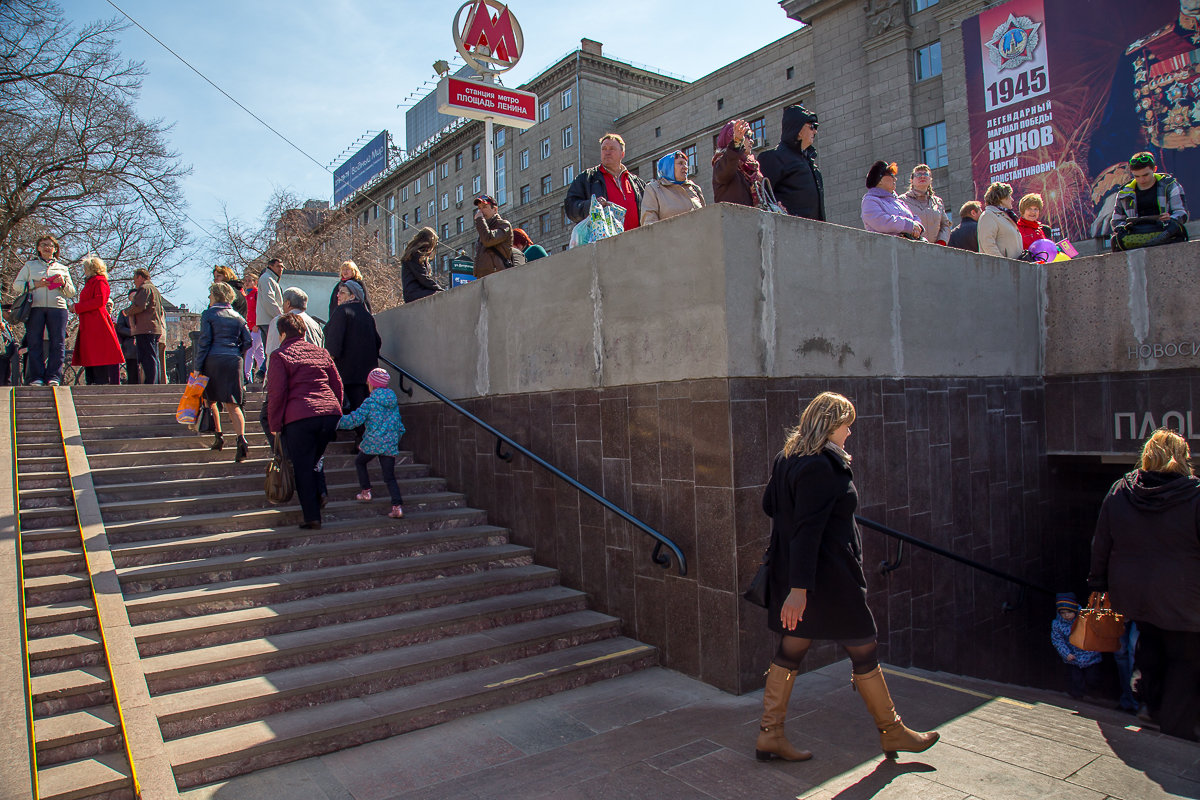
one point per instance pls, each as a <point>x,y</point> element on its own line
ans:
<point>882,210</point>
<point>304,403</point>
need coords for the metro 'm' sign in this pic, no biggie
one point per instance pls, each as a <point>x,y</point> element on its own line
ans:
<point>489,44</point>
<point>477,100</point>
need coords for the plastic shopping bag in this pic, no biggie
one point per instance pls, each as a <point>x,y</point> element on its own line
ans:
<point>603,220</point>
<point>189,404</point>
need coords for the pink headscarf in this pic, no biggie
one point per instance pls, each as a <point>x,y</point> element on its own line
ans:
<point>747,162</point>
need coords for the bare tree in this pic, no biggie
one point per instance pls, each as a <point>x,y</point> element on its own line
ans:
<point>75,158</point>
<point>309,237</point>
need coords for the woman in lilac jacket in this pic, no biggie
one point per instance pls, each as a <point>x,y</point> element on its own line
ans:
<point>882,210</point>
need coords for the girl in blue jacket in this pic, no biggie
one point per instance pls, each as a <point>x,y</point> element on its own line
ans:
<point>380,413</point>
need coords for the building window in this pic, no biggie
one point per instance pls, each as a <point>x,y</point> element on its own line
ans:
<point>547,185</point>
<point>545,148</point>
<point>921,5</point>
<point>545,112</point>
<point>928,61</point>
<point>445,200</point>
<point>544,224</point>
<point>417,215</point>
<point>458,193</point>
<point>404,195</point>
<point>445,230</point>
<point>568,136</point>
<point>933,145</point>
<point>458,225</point>
<point>499,138</point>
<point>690,152</point>
<point>417,186</point>
<point>429,176</point>
<point>525,194</point>
<point>366,216</point>
<point>568,174</point>
<point>445,170</point>
<point>404,222</point>
<point>565,99</point>
<point>432,209</point>
<point>758,129</point>
<point>657,132</point>
<point>475,182</point>
<point>501,179</point>
<point>524,159</point>
<point>375,210</point>
<point>458,162</point>
<point>790,72</point>
<point>391,221</point>
<point>720,103</point>
<point>475,152</point>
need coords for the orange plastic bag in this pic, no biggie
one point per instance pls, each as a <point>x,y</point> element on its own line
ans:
<point>189,404</point>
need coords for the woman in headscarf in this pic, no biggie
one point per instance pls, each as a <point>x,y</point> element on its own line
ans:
<point>532,251</point>
<point>671,193</point>
<point>736,175</point>
<point>349,272</point>
<point>353,342</point>
<point>97,348</point>
<point>416,267</point>
<point>882,210</point>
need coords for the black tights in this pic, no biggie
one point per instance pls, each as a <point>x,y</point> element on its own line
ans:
<point>863,657</point>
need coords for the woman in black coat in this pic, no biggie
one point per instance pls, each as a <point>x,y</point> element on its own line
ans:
<point>353,341</point>
<point>817,589</point>
<point>1146,555</point>
<point>416,266</point>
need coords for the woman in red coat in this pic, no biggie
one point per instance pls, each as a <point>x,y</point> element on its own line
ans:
<point>97,348</point>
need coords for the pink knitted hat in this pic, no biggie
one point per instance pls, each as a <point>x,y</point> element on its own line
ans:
<point>378,378</point>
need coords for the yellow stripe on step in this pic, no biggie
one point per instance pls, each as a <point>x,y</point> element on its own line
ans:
<point>952,687</point>
<point>584,663</point>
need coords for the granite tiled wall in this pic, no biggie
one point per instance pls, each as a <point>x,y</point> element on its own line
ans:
<point>958,461</point>
<point>1116,413</point>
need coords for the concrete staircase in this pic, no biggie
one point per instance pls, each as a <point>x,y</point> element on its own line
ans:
<point>262,643</point>
<point>77,733</point>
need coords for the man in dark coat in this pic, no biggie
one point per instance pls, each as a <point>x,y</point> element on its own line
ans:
<point>610,181</point>
<point>353,341</point>
<point>792,166</point>
<point>966,235</point>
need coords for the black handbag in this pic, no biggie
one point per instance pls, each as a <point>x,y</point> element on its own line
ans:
<point>22,307</point>
<point>280,482</point>
<point>759,591</point>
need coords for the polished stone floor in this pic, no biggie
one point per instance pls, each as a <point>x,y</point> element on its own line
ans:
<point>657,734</point>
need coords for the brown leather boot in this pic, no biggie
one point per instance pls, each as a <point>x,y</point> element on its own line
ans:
<point>894,736</point>
<point>772,743</point>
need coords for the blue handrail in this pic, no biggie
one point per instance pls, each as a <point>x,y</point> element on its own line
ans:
<point>661,541</point>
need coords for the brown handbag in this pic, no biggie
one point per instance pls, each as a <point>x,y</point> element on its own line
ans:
<point>1098,628</point>
<point>280,482</point>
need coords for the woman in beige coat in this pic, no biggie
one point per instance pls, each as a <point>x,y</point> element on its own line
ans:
<point>671,193</point>
<point>998,231</point>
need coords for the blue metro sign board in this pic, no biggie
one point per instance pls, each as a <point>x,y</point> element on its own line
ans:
<point>368,162</point>
<point>462,270</point>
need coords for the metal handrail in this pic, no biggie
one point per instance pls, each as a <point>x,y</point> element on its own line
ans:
<point>661,541</point>
<point>889,565</point>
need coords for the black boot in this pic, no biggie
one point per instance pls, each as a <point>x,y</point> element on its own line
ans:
<point>243,449</point>
<point>218,441</point>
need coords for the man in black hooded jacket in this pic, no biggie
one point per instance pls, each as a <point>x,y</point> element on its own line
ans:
<point>792,166</point>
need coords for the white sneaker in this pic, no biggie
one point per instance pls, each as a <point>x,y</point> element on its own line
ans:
<point>36,383</point>
<point>53,382</point>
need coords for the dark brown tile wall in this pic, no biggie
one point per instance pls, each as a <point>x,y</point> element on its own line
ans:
<point>960,462</point>
<point>1082,411</point>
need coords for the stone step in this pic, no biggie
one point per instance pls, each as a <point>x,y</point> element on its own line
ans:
<point>143,408</point>
<point>219,484</point>
<point>280,738</point>
<point>225,468</point>
<point>76,734</point>
<point>275,516</point>
<point>33,438</point>
<point>53,562</point>
<point>37,464</point>
<point>230,595</point>
<point>70,690</point>
<point>363,672</point>
<point>45,480</point>
<point>106,776</point>
<point>194,450</point>
<point>256,564</point>
<point>242,500</point>
<point>34,541</point>
<point>446,522</point>
<point>59,618</point>
<point>514,586</point>
<point>121,429</point>
<point>45,496</point>
<point>63,587</point>
<point>37,518</point>
<point>66,652</point>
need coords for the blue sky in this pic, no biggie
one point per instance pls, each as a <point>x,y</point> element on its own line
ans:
<point>325,72</point>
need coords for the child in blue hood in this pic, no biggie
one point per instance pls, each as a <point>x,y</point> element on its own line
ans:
<point>1083,666</point>
<point>380,413</point>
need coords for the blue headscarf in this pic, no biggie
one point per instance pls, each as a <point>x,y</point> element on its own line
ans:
<point>666,167</point>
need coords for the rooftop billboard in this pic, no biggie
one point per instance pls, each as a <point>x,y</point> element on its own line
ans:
<point>368,162</point>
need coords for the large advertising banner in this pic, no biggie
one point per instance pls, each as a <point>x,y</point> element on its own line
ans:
<point>1062,92</point>
<point>369,161</point>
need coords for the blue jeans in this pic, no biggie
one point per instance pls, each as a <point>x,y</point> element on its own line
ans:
<point>147,347</point>
<point>50,323</point>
